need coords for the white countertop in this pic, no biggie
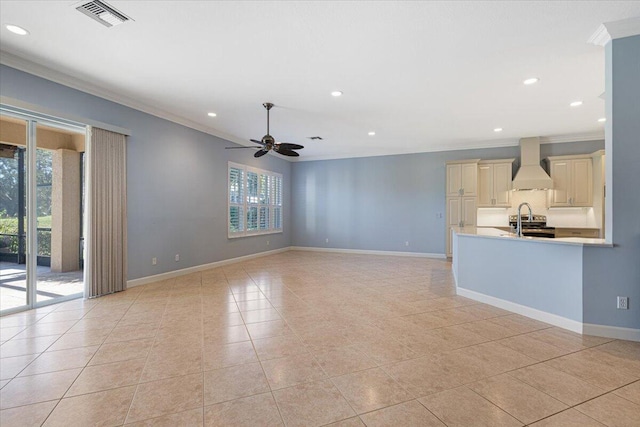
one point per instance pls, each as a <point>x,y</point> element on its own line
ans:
<point>494,233</point>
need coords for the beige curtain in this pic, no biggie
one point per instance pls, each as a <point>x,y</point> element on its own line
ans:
<point>108,212</point>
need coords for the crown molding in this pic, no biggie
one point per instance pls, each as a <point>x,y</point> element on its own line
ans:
<point>574,137</point>
<point>78,83</point>
<point>552,139</point>
<point>601,36</point>
<point>615,30</point>
<point>75,82</point>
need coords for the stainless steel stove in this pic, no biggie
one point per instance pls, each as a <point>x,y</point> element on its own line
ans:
<point>537,227</point>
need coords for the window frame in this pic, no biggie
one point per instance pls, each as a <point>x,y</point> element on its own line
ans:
<point>274,180</point>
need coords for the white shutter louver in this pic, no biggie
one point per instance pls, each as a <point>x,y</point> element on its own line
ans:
<point>255,201</point>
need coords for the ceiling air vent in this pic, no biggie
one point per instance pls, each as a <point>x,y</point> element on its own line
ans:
<point>103,13</point>
<point>315,138</point>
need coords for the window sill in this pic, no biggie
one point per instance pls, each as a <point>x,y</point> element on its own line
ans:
<point>253,234</point>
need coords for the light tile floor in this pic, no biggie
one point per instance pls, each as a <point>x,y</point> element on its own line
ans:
<point>305,339</point>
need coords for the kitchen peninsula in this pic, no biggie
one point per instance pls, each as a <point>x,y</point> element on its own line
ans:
<point>537,277</point>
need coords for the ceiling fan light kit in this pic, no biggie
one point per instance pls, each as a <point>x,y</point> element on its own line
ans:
<point>268,142</point>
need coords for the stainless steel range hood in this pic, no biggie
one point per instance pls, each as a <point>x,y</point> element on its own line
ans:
<point>531,176</point>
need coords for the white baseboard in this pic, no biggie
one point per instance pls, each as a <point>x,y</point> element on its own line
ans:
<point>543,316</point>
<point>618,332</point>
<point>176,273</point>
<point>368,252</point>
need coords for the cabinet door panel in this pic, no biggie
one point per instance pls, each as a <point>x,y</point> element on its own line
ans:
<point>485,185</point>
<point>469,179</point>
<point>502,184</point>
<point>453,212</point>
<point>454,180</point>
<point>469,212</point>
<point>453,219</point>
<point>560,173</point>
<point>582,182</point>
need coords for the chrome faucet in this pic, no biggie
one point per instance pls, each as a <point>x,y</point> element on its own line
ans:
<point>519,226</point>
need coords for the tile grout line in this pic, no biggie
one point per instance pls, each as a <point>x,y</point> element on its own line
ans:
<point>67,390</point>
<point>80,373</point>
<point>275,401</point>
<point>133,398</point>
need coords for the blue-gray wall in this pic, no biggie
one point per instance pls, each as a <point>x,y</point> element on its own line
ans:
<point>177,190</point>
<point>176,180</point>
<point>380,203</point>
<point>609,273</point>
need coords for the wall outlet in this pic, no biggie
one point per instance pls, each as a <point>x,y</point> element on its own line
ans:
<point>177,257</point>
<point>406,243</point>
<point>267,243</point>
<point>623,303</point>
<point>326,240</point>
<point>154,261</point>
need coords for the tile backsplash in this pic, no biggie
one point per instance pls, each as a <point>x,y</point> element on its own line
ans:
<point>556,217</point>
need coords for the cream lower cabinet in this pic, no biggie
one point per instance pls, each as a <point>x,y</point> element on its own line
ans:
<point>572,181</point>
<point>592,233</point>
<point>461,212</point>
<point>494,183</point>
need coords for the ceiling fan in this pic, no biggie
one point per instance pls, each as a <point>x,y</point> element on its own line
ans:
<point>269,143</point>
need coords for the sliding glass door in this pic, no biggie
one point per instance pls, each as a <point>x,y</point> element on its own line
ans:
<point>13,215</point>
<point>41,216</point>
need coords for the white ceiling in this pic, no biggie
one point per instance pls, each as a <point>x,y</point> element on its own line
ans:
<point>424,76</point>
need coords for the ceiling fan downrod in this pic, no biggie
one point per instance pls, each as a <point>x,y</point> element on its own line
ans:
<point>268,106</point>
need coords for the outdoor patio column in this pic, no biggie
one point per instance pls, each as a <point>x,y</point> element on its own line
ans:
<point>65,211</point>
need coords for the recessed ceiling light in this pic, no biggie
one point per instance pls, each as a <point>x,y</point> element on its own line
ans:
<point>602,120</point>
<point>17,30</point>
<point>497,130</point>
<point>576,103</point>
<point>211,114</point>
<point>531,81</point>
<point>372,133</point>
<point>336,93</point>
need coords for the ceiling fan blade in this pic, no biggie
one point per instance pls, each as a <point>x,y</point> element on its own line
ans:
<point>290,153</point>
<point>260,153</point>
<point>256,141</point>
<point>288,146</point>
<point>238,148</point>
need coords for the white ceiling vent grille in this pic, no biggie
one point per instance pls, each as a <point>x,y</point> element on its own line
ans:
<point>103,13</point>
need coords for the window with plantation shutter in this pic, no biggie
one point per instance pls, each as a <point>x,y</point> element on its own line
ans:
<point>255,201</point>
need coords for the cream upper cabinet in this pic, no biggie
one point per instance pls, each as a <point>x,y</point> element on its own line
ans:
<point>462,178</point>
<point>494,183</point>
<point>572,181</point>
